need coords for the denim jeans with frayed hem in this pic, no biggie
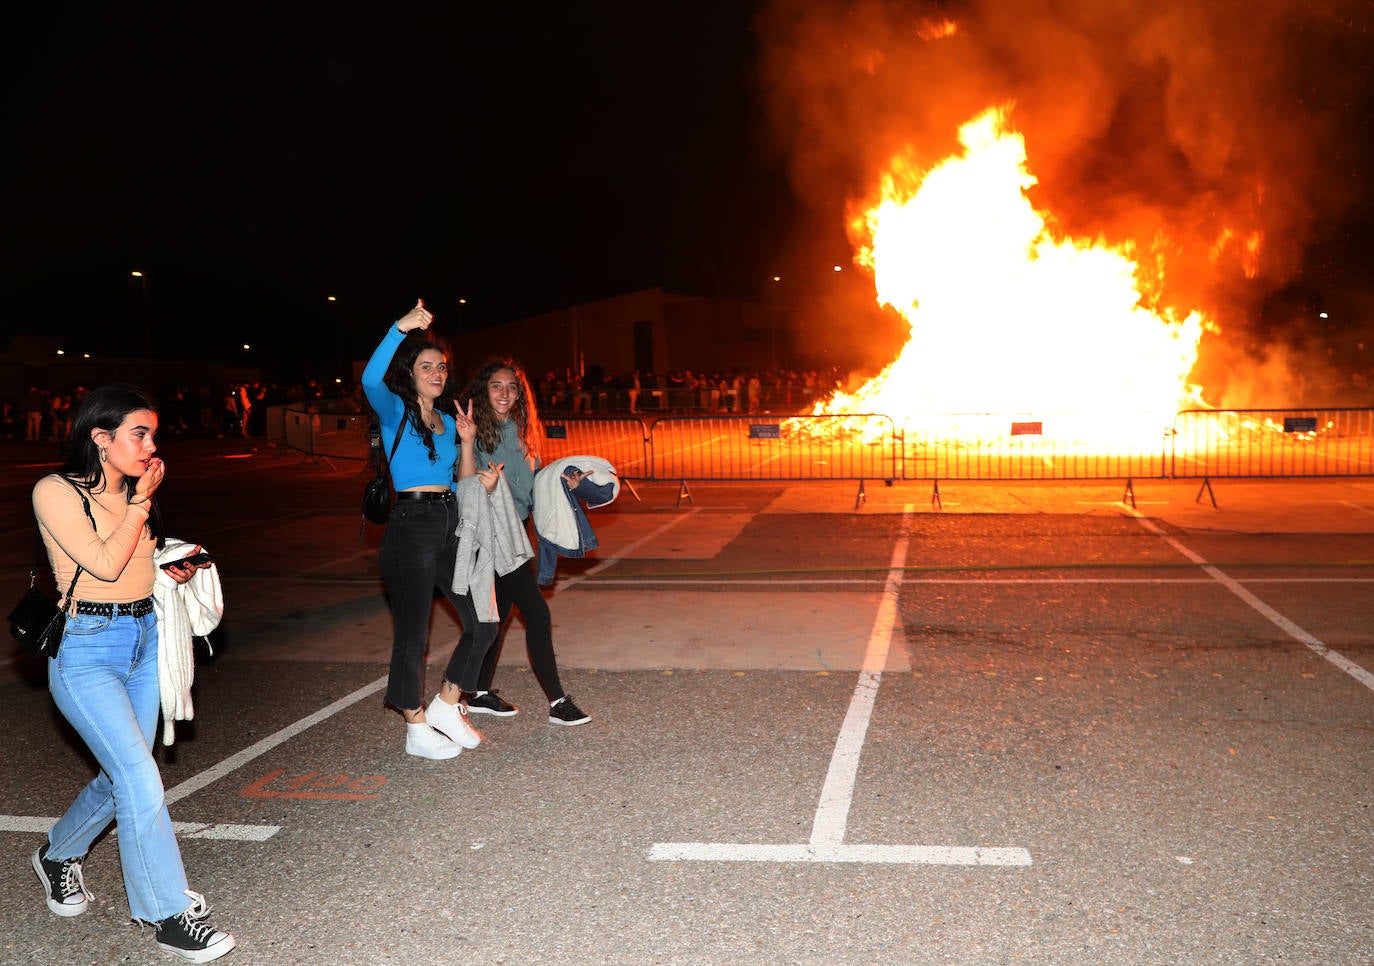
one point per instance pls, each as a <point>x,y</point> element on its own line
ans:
<point>104,681</point>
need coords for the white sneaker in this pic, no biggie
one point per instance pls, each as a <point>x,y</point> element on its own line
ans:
<point>452,720</point>
<point>423,741</point>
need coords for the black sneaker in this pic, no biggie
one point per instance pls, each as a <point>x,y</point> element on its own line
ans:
<point>66,891</point>
<point>564,712</point>
<point>189,936</point>
<point>489,702</point>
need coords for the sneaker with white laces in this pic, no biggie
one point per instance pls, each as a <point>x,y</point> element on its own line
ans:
<point>189,936</point>
<point>490,702</point>
<point>66,891</point>
<point>452,720</point>
<point>564,712</point>
<point>423,741</point>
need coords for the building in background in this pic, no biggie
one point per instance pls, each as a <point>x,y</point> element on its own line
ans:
<point>645,331</point>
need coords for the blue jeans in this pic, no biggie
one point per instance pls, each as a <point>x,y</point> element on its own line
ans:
<point>104,680</point>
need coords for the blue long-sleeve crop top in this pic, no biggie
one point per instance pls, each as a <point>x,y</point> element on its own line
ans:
<point>411,466</point>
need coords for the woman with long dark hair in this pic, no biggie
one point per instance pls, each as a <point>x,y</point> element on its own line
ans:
<point>509,435</point>
<point>406,382</point>
<point>98,513</point>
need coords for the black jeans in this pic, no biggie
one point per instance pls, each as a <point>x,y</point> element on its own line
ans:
<point>418,553</point>
<point>519,589</point>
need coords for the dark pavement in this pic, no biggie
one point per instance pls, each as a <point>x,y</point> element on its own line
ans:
<point>1036,725</point>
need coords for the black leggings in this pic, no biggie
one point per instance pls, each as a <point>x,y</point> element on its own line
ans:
<point>519,590</point>
<point>419,550</point>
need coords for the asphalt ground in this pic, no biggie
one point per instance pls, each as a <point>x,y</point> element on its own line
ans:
<point>1034,724</point>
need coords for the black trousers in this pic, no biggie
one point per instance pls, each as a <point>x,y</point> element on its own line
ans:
<point>518,590</point>
<point>419,549</point>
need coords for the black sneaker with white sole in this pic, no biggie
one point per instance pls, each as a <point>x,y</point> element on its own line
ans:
<point>189,936</point>
<point>564,712</point>
<point>66,891</point>
<point>489,702</point>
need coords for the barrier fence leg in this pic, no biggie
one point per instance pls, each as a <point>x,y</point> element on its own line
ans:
<point>1207,488</point>
<point>1129,496</point>
<point>935,496</point>
<point>631,487</point>
<point>683,492</point>
<point>861,497</point>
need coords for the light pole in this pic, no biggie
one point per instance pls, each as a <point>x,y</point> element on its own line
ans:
<point>147,332</point>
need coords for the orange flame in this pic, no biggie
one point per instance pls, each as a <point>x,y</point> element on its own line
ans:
<point>1008,318</point>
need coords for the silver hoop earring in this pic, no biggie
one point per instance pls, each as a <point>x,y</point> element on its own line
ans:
<point>103,454</point>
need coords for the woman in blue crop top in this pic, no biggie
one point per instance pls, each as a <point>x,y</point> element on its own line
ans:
<point>406,382</point>
<point>508,434</point>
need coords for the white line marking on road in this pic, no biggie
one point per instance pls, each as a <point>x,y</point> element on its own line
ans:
<point>893,854</point>
<point>186,830</point>
<point>832,814</point>
<point>627,549</point>
<point>1264,610</point>
<point>213,830</point>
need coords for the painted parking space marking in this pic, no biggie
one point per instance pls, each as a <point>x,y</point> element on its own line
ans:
<point>624,551</point>
<point>235,761</point>
<point>40,824</point>
<point>832,814</point>
<point>1264,610</point>
<point>313,785</point>
<point>244,833</point>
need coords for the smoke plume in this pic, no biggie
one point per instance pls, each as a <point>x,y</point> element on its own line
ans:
<point>1225,139</point>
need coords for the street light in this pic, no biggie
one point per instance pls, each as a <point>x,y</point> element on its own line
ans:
<point>147,332</point>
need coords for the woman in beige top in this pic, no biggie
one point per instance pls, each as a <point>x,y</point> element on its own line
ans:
<point>97,513</point>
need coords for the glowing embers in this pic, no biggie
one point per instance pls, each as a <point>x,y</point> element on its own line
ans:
<point>1008,318</point>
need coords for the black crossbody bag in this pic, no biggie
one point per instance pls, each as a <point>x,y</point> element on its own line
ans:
<point>37,622</point>
<point>377,496</point>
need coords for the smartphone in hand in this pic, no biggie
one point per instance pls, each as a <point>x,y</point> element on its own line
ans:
<point>195,560</point>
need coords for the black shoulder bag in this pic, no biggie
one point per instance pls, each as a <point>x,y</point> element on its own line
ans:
<point>36,621</point>
<point>377,496</point>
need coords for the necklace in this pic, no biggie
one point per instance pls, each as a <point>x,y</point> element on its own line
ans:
<point>428,417</point>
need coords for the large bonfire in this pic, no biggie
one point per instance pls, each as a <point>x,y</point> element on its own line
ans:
<point>1009,317</point>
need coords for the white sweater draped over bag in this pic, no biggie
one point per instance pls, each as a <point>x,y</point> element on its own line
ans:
<point>184,611</point>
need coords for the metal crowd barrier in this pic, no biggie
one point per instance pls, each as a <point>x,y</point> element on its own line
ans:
<point>620,441</point>
<point>1273,443</point>
<point>1021,446</point>
<point>323,437</point>
<point>1202,444</point>
<point>854,447</point>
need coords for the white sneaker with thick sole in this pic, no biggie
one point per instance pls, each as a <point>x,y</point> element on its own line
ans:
<point>423,741</point>
<point>452,720</point>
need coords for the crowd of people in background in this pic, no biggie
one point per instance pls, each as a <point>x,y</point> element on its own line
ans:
<point>229,410</point>
<point>682,390</point>
<point>239,409</point>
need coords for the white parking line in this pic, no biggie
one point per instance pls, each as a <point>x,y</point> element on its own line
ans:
<point>832,814</point>
<point>196,782</point>
<point>624,551</point>
<point>187,830</point>
<point>1263,609</point>
<point>216,830</point>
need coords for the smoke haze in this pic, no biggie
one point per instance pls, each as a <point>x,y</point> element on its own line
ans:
<point>1229,139</point>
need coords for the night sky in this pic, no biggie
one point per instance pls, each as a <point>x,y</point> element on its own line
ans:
<point>255,161</point>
